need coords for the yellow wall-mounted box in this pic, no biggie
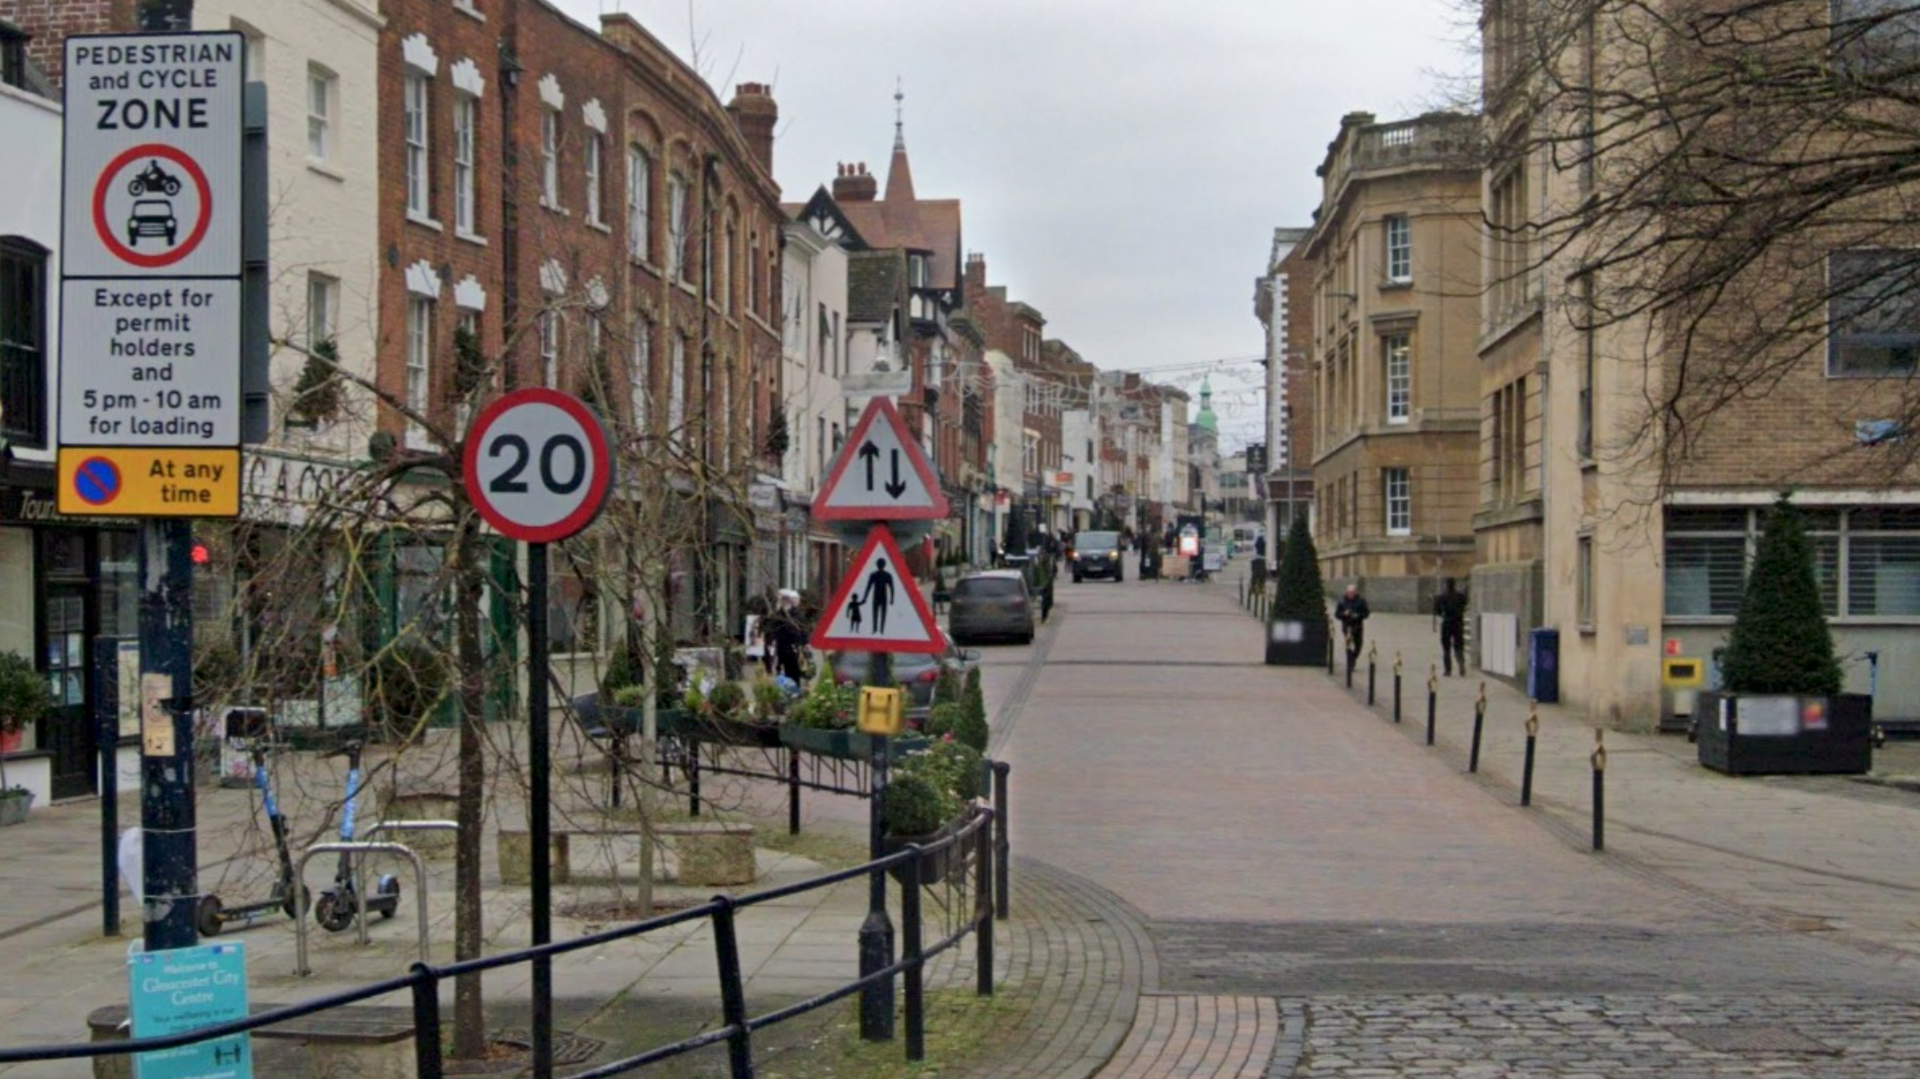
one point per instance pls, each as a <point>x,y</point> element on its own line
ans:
<point>1682,673</point>
<point>882,711</point>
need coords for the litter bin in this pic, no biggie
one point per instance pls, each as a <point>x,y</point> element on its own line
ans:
<point>1543,665</point>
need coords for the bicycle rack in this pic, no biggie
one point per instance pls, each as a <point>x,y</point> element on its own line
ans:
<point>361,849</point>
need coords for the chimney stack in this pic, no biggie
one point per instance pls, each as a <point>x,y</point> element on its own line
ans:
<point>855,184</point>
<point>755,114</point>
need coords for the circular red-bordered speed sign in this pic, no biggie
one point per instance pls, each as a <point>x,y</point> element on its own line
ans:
<point>538,465</point>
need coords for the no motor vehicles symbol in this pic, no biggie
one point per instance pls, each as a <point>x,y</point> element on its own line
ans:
<point>152,205</point>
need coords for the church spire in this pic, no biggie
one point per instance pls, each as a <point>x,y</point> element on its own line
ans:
<point>899,176</point>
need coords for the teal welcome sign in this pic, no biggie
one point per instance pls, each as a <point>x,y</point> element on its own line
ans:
<point>186,989</point>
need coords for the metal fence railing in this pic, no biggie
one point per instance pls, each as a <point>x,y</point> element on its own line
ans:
<point>968,852</point>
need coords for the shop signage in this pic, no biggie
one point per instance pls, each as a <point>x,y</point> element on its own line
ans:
<point>149,403</point>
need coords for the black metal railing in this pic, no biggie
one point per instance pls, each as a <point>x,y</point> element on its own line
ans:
<point>970,848</point>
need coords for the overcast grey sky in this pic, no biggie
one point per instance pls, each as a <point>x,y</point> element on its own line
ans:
<point>1122,163</point>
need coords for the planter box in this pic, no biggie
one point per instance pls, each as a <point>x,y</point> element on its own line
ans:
<point>846,744</point>
<point>1297,644</point>
<point>1745,735</point>
<point>14,808</point>
<point>726,732</point>
<point>668,722</point>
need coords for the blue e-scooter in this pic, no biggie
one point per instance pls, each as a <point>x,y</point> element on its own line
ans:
<point>335,908</point>
<point>212,916</point>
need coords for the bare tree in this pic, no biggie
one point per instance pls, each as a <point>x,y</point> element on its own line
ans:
<point>1715,185</point>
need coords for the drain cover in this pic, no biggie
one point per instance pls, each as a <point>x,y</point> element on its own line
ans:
<point>567,1048</point>
<point>1753,1040</point>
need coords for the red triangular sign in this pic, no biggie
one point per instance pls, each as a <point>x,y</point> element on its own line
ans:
<point>878,606</point>
<point>880,474</point>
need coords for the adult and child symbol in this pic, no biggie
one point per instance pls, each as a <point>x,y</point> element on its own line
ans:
<point>878,590</point>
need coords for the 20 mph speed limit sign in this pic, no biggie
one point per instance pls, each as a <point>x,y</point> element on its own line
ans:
<point>538,466</point>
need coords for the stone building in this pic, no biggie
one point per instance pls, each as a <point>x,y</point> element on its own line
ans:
<point>1395,257</point>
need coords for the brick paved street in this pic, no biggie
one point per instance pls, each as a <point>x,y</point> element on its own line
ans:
<point>1317,881</point>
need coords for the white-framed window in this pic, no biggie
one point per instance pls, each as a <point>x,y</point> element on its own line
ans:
<point>819,451</point>
<point>415,104</point>
<point>640,372</point>
<point>753,271</point>
<point>419,353</point>
<point>1397,349</point>
<point>677,226</point>
<point>1399,248</point>
<point>726,265</point>
<point>1875,36</point>
<point>595,166</point>
<point>639,203</point>
<point>323,89</point>
<point>1398,486</point>
<point>1873,314</point>
<point>677,391</point>
<point>466,138</point>
<point>550,347</point>
<point>323,302</point>
<point>550,158</point>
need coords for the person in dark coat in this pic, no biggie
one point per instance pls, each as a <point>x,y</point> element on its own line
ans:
<point>788,635</point>
<point>1352,612</point>
<point>1450,610</point>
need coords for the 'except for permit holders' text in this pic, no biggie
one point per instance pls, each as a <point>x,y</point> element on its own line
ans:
<point>150,363</point>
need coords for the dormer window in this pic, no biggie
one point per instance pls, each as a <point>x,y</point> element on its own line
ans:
<point>917,271</point>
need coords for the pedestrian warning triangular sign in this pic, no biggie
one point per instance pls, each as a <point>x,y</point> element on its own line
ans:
<point>878,606</point>
<point>880,474</point>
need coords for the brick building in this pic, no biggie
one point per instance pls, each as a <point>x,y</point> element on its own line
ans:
<point>577,209</point>
<point>1282,303</point>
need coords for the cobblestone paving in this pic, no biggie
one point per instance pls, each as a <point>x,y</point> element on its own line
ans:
<point>1601,1037</point>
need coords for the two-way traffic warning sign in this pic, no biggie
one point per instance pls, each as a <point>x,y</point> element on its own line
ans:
<point>880,474</point>
<point>878,606</point>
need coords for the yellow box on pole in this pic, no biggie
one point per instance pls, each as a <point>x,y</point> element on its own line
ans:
<point>882,711</point>
<point>136,481</point>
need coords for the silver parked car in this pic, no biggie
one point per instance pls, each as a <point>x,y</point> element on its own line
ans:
<point>991,604</point>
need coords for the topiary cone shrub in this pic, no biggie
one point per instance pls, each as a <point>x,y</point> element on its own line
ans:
<point>1780,642</point>
<point>1297,630</point>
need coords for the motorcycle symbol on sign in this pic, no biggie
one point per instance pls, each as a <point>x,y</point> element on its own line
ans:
<point>154,179</point>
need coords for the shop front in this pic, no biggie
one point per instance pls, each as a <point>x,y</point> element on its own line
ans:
<point>64,582</point>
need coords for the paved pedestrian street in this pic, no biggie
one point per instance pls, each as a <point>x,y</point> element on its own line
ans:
<point>1328,898</point>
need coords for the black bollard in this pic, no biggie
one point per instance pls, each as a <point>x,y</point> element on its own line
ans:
<point>1373,668</point>
<point>1396,687</point>
<point>1599,760</point>
<point>1479,725</point>
<point>1433,700</point>
<point>1526,770</point>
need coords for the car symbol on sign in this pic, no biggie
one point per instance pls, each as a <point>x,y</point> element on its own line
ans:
<point>152,217</point>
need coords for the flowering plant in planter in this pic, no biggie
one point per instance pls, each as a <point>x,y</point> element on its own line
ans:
<point>24,699</point>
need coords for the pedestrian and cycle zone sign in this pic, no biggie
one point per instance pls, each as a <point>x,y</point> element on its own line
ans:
<point>181,989</point>
<point>149,399</point>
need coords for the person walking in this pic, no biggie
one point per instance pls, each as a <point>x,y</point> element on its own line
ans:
<point>1351,612</point>
<point>1450,610</point>
<point>788,635</point>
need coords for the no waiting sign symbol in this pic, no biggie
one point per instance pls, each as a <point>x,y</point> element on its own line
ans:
<point>537,465</point>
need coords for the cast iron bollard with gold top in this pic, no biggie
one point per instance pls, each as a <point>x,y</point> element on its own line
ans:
<point>1396,686</point>
<point>1526,770</point>
<point>1433,698</point>
<point>1373,668</point>
<point>1479,724</point>
<point>1599,760</point>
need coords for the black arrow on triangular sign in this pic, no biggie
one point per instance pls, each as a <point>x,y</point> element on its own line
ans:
<point>871,453</point>
<point>896,488</point>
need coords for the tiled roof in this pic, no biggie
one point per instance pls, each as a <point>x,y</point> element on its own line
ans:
<point>873,285</point>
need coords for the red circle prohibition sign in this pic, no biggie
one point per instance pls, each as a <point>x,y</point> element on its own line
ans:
<point>599,459</point>
<point>109,236</point>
